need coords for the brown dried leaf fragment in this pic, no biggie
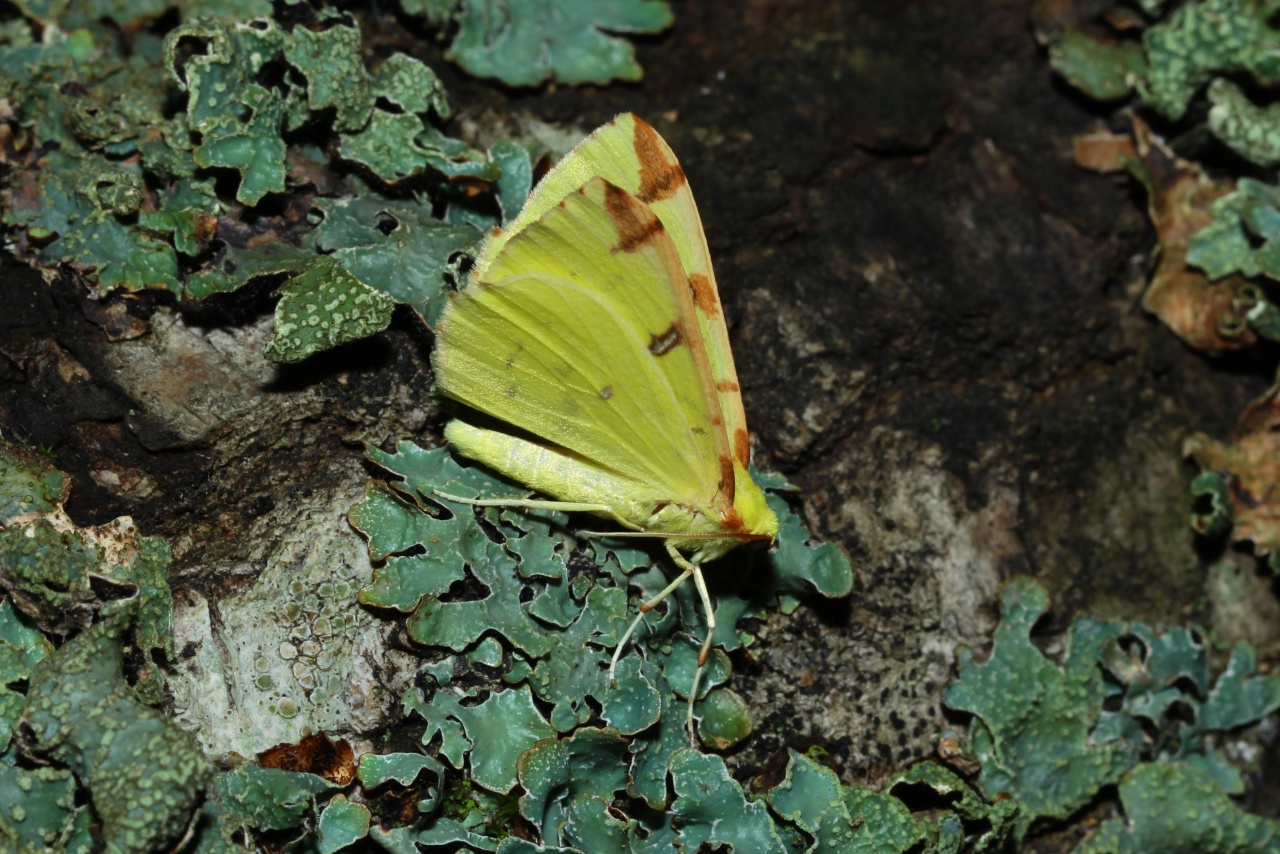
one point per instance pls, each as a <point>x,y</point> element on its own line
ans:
<point>1249,466</point>
<point>316,754</point>
<point>1104,151</point>
<point>1210,316</point>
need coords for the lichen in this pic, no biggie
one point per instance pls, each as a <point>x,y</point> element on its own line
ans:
<point>524,42</point>
<point>63,577</point>
<point>144,775</point>
<point>106,757</point>
<point>108,179</point>
<point>1204,63</point>
<point>1034,718</point>
<point>560,626</point>
<point>28,483</point>
<point>541,610</point>
<point>1041,731</point>
<point>1239,476</point>
<point>1201,40</point>
<point>1179,808</point>
<point>325,306</point>
<point>290,654</point>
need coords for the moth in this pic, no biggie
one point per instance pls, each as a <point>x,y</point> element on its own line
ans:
<point>591,335</point>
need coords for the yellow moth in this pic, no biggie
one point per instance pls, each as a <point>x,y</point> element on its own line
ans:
<point>592,327</point>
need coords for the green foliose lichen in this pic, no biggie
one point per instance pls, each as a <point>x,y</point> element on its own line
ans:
<point>325,306</point>
<point>1202,40</point>
<point>86,763</point>
<point>105,176</point>
<point>29,484</point>
<point>561,625</point>
<point>1179,808</point>
<point>399,245</point>
<point>1251,131</point>
<point>1239,237</point>
<point>54,573</point>
<point>524,42</point>
<point>1198,45</point>
<point>267,799</point>
<point>1034,718</point>
<point>1052,735</point>
<point>542,611</point>
<point>1102,69</point>
<point>144,775</point>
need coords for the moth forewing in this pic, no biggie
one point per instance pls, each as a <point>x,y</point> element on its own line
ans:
<point>628,153</point>
<point>579,337</point>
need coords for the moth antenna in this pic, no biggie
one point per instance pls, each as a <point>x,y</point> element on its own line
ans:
<point>484,502</point>
<point>671,535</point>
<point>656,535</point>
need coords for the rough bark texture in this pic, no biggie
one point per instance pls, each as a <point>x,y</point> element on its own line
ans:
<point>935,318</point>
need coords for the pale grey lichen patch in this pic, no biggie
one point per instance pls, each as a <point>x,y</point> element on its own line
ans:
<point>293,654</point>
<point>928,563</point>
<point>145,775</point>
<point>1243,608</point>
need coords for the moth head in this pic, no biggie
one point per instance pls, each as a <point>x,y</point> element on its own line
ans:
<point>758,519</point>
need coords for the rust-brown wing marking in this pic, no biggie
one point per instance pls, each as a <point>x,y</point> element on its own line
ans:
<point>661,177</point>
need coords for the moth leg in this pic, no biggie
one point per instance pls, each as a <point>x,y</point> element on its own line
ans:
<point>543,504</point>
<point>701,584</point>
<point>648,606</point>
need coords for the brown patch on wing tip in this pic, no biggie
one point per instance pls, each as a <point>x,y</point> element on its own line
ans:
<point>726,485</point>
<point>727,386</point>
<point>741,445</point>
<point>704,294</point>
<point>636,226</point>
<point>660,178</point>
<point>665,342</point>
<point>495,232</point>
